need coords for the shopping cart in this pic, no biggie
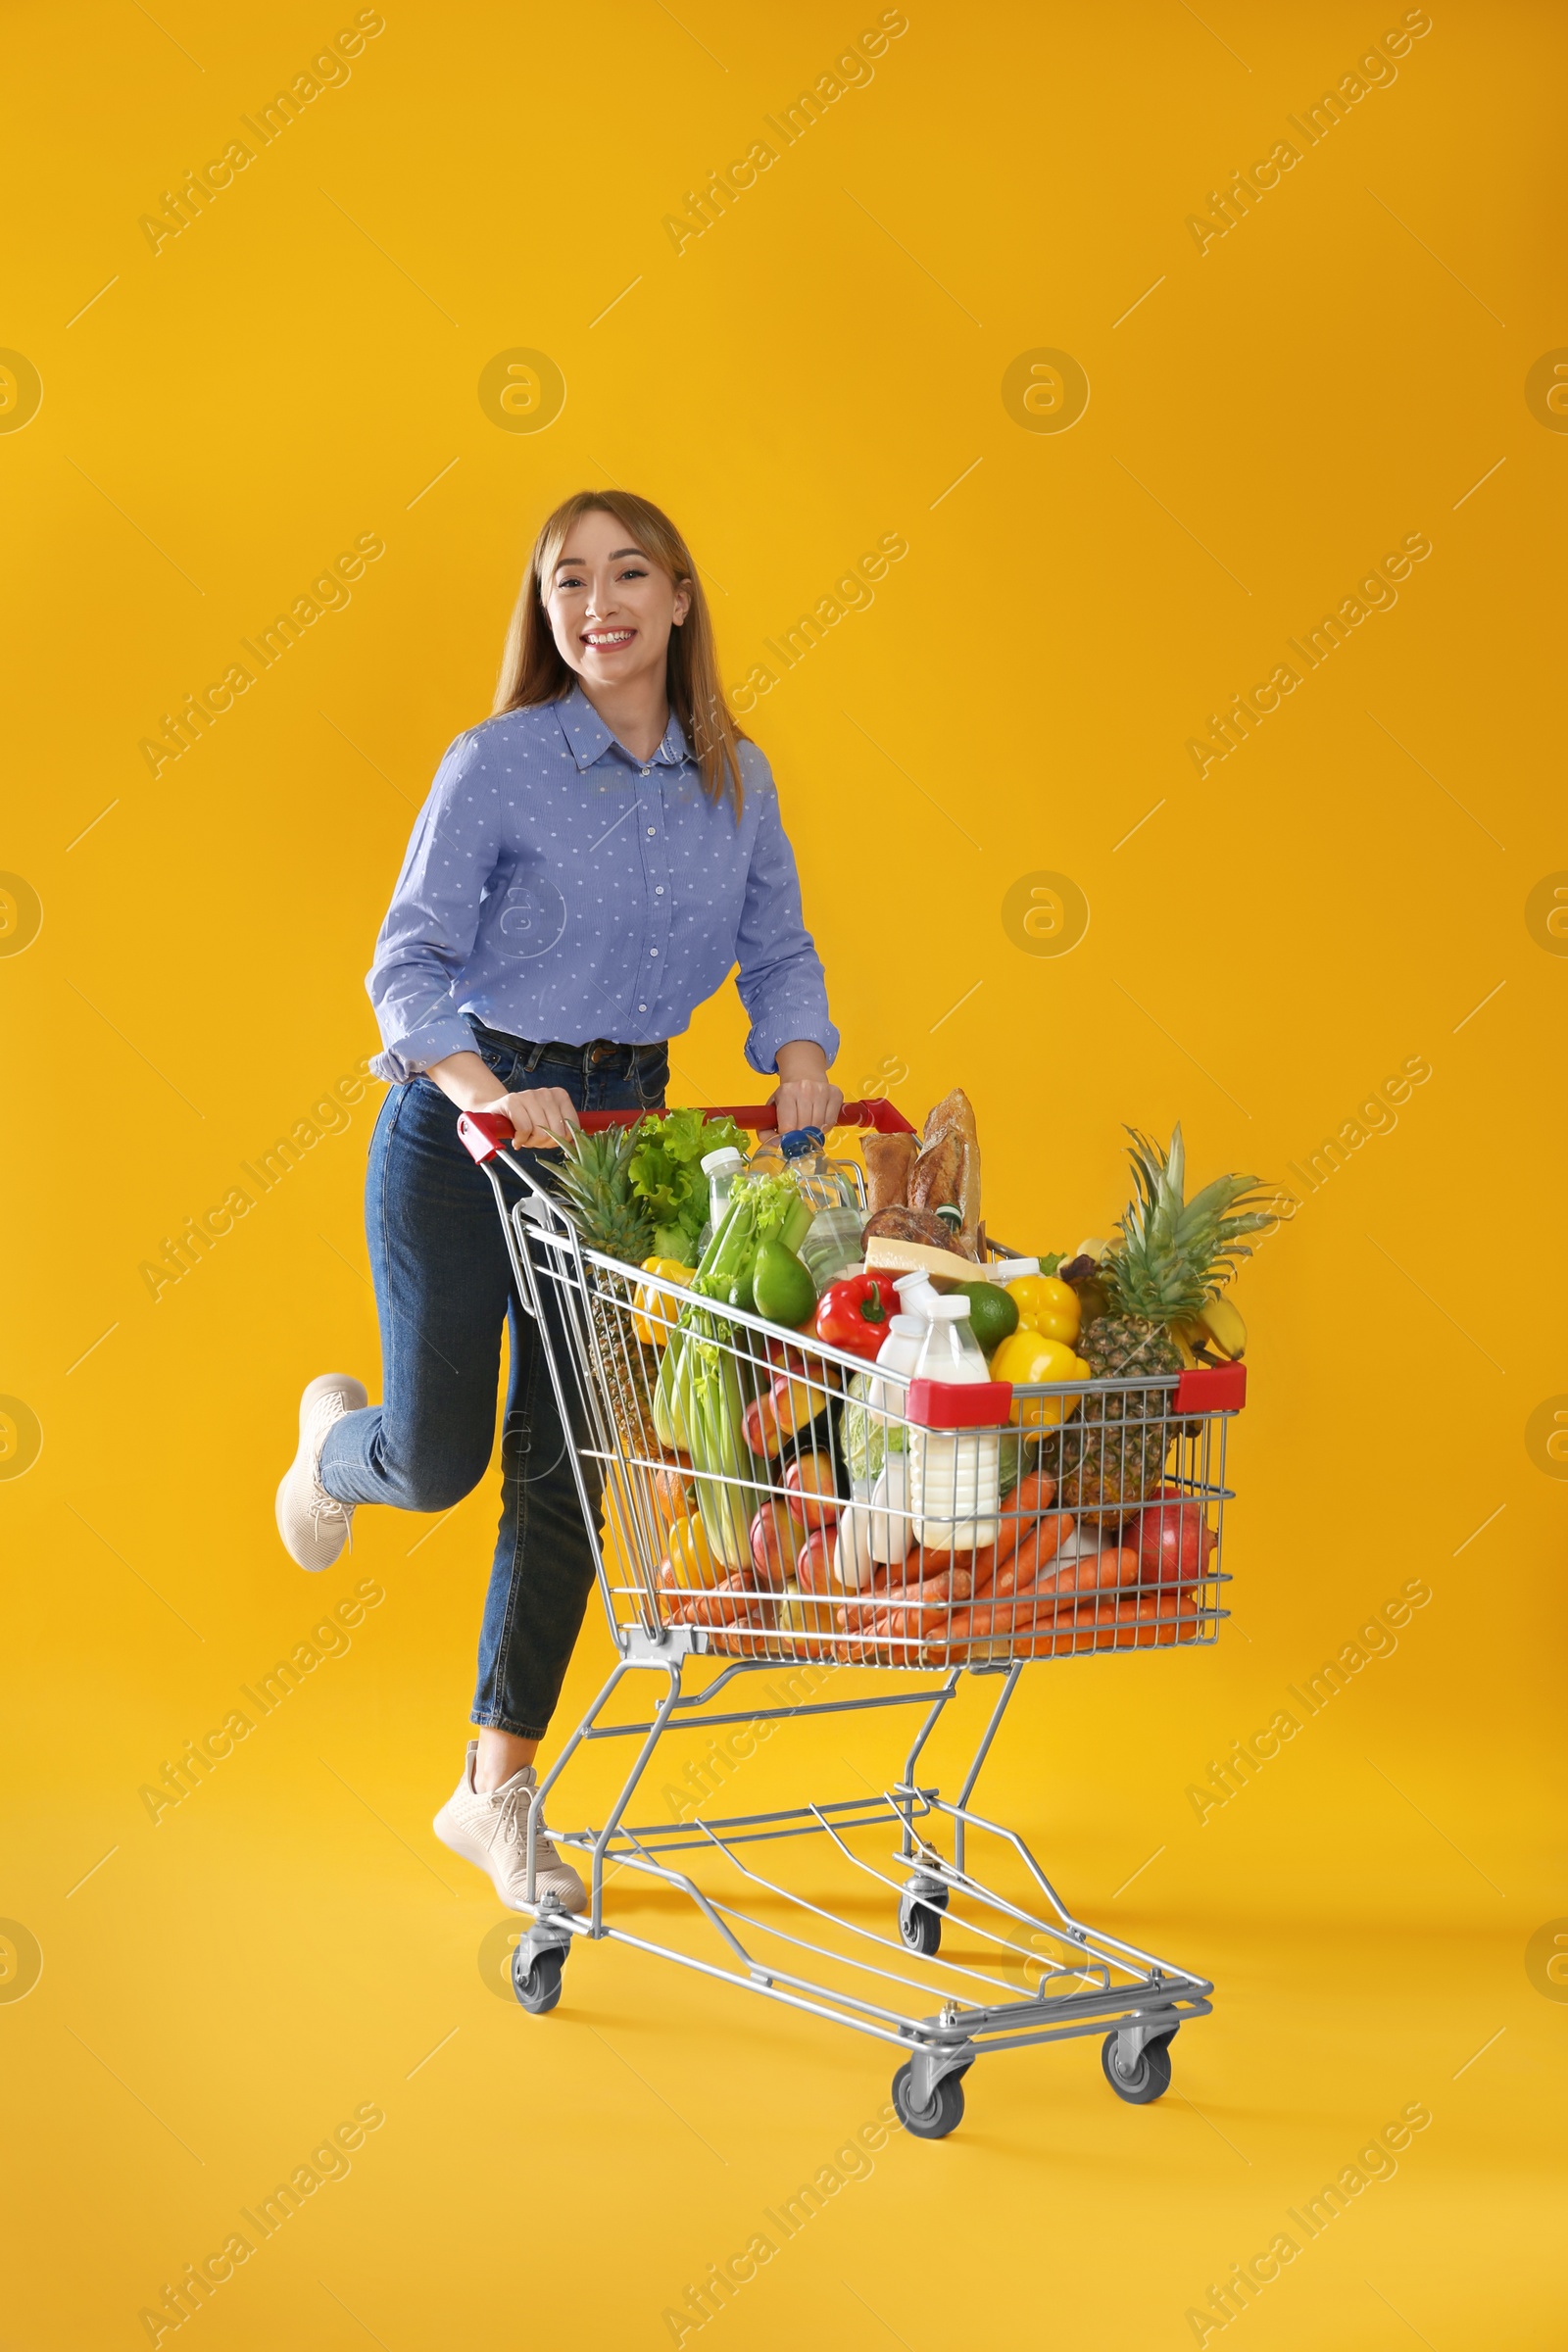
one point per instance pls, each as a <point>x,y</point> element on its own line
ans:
<point>1091,1468</point>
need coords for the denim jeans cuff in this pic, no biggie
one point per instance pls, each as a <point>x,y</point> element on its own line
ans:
<point>513,1730</point>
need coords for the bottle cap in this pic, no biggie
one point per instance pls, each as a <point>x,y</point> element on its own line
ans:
<point>726,1157</point>
<point>907,1327</point>
<point>948,1311</point>
<point>1008,1269</point>
<point>799,1141</point>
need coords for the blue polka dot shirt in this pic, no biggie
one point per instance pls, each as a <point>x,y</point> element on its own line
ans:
<point>560,890</point>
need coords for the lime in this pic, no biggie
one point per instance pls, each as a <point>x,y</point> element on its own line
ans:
<point>992,1315</point>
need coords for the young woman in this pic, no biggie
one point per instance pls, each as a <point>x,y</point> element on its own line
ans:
<point>592,862</point>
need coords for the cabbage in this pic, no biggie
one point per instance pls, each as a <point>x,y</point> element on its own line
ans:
<point>867,1437</point>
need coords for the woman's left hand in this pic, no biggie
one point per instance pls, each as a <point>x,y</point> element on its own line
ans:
<point>804,1098</point>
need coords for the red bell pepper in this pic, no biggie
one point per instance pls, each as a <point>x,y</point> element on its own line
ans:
<point>854,1315</point>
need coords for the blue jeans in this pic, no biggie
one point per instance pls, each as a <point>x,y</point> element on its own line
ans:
<point>443,1288</point>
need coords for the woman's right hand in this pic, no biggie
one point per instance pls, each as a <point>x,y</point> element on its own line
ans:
<point>541,1116</point>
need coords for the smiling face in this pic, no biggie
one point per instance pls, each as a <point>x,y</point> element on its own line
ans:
<point>610,607</point>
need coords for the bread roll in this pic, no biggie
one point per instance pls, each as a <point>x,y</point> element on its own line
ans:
<point>888,1161</point>
<point>898,1224</point>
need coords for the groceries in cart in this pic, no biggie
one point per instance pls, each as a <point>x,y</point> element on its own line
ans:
<point>864,1429</point>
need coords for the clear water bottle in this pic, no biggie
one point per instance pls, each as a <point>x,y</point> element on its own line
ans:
<point>774,1152</point>
<point>954,1475</point>
<point>720,1167</point>
<point>833,1242</point>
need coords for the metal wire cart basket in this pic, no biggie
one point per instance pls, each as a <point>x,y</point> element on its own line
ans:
<point>1052,1577</point>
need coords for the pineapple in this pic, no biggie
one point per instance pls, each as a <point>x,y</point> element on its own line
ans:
<point>1170,1255</point>
<point>593,1182</point>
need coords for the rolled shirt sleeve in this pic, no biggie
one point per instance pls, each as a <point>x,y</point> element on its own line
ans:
<point>423,945</point>
<point>781,982</point>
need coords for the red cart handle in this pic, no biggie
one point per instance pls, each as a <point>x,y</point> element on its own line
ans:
<point>484,1132</point>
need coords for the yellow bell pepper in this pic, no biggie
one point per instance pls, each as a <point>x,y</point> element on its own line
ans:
<point>1046,1306</point>
<point>1030,1359</point>
<point>690,1553</point>
<point>655,1314</point>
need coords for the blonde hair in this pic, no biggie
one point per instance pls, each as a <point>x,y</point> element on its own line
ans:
<point>533,671</point>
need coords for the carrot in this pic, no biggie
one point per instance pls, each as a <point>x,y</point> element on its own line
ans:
<point>1037,1548</point>
<point>1020,1511</point>
<point>1099,1572</point>
<point>1133,1622</point>
<point>886,1633</point>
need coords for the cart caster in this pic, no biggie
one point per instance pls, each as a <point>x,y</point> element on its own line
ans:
<point>920,1920</point>
<point>945,2112</point>
<point>538,1988</point>
<point>1149,2076</point>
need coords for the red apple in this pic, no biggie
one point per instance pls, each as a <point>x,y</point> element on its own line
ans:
<point>811,1490</point>
<point>773,1545</point>
<point>759,1427</point>
<point>1172,1538</point>
<point>813,1567</point>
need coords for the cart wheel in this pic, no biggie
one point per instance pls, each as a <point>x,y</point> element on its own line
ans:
<point>945,2112</point>
<point>1150,2079</point>
<point>919,1927</point>
<point>538,1988</point>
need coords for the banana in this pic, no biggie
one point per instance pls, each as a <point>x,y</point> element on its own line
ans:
<point>1094,1247</point>
<point>1222,1324</point>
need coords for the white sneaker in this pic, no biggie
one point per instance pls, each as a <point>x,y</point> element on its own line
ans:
<point>492,1831</point>
<point>313,1524</point>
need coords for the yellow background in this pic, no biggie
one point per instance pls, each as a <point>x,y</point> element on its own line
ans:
<point>818,369</point>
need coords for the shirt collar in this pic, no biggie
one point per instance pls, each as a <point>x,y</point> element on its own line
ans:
<point>588,739</point>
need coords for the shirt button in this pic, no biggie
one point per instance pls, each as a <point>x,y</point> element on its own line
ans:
<point>653,951</point>
<point>658,890</point>
<point>642,1009</point>
<point>650,828</point>
<point>646,771</point>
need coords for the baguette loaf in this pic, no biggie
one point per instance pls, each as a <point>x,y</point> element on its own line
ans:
<point>950,1132</point>
<point>935,1180</point>
<point>888,1161</point>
